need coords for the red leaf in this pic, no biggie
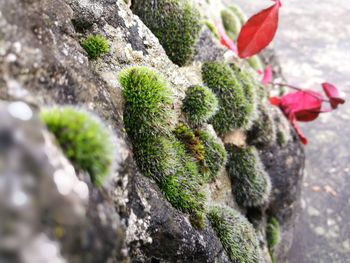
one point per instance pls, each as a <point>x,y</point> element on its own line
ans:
<point>333,95</point>
<point>225,40</point>
<point>275,101</point>
<point>267,77</point>
<point>258,32</point>
<point>298,131</point>
<point>303,105</point>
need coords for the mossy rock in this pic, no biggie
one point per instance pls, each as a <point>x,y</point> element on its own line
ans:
<point>231,23</point>
<point>236,234</point>
<point>176,23</point>
<point>235,110</point>
<point>95,46</point>
<point>148,103</point>
<point>251,184</point>
<point>215,155</point>
<point>199,105</point>
<point>84,139</point>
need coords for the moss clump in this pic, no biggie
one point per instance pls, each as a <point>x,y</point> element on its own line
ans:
<point>148,103</point>
<point>83,138</point>
<point>215,155</point>
<point>95,46</point>
<point>236,234</point>
<point>263,131</point>
<point>273,235</point>
<point>156,157</point>
<point>251,184</point>
<point>231,23</point>
<point>239,13</point>
<point>249,86</point>
<point>234,109</point>
<point>183,188</point>
<point>255,63</point>
<point>176,23</point>
<point>193,144</point>
<point>148,117</point>
<point>199,105</point>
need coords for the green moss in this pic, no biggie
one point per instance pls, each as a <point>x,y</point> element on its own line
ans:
<point>197,220</point>
<point>239,13</point>
<point>148,103</point>
<point>251,184</point>
<point>193,144</point>
<point>255,63</point>
<point>281,138</point>
<point>176,23</point>
<point>212,28</point>
<point>263,131</point>
<point>95,46</point>
<point>249,86</point>
<point>234,109</point>
<point>183,189</point>
<point>156,157</point>
<point>231,23</point>
<point>236,234</point>
<point>214,154</point>
<point>273,232</point>
<point>273,235</point>
<point>148,114</point>
<point>83,138</point>
<point>199,105</point>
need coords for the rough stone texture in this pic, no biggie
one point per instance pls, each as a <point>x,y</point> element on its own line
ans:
<point>45,216</point>
<point>42,62</point>
<point>284,162</point>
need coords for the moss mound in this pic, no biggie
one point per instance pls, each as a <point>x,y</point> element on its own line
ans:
<point>159,154</point>
<point>199,105</point>
<point>251,184</point>
<point>83,138</point>
<point>273,235</point>
<point>236,234</point>
<point>231,22</point>
<point>263,130</point>
<point>235,100</point>
<point>193,144</point>
<point>176,23</point>
<point>215,155</point>
<point>95,46</point>
<point>148,103</point>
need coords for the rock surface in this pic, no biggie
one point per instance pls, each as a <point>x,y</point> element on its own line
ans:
<point>42,63</point>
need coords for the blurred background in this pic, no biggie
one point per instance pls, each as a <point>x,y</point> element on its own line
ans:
<point>313,45</point>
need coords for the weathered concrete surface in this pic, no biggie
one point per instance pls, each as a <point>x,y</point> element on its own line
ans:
<point>313,46</point>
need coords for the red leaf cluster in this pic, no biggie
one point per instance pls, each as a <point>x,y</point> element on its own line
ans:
<point>305,105</point>
<point>259,31</point>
